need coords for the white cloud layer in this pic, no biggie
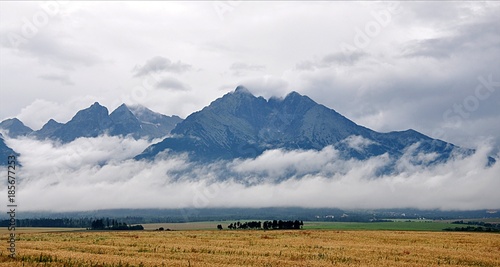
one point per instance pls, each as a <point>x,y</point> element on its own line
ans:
<point>97,173</point>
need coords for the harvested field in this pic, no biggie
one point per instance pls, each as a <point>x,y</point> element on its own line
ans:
<point>256,248</point>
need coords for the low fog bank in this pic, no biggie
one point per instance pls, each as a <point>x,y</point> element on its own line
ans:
<point>98,173</point>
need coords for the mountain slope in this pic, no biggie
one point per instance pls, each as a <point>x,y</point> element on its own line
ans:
<point>5,151</point>
<point>242,125</point>
<point>124,122</point>
<point>48,129</point>
<point>89,122</point>
<point>153,124</point>
<point>15,128</point>
<point>138,122</point>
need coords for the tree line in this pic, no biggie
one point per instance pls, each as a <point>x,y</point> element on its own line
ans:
<point>88,223</point>
<point>107,224</point>
<point>475,226</point>
<point>266,225</point>
<point>48,222</point>
<point>472,229</point>
<point>485,224</point>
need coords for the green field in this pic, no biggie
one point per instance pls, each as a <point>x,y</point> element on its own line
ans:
<point>398,225</point>
<point>395,226</point>
<point>312,225</point>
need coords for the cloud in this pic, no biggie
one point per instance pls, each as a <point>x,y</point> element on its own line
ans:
<point>97,173</point>
<point>240,68</point>
<point>63,51</point>
<point>358,143</point>
<point>244,66</point>
<point>334,59</point>
<point>62,78</point>
<point>266,86</point>
<point>171,84</point>
<point>472,36</point>
<point>159,64</point>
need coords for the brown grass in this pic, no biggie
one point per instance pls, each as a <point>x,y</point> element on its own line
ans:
<point>255,248</point>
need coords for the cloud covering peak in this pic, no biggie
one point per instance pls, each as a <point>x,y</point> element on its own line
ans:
<point>97,173</point>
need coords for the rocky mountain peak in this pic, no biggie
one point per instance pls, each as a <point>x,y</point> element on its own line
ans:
<point>239,120</point>
<point>15,128</point>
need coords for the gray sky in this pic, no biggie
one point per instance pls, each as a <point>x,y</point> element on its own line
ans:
<point>433,67</point>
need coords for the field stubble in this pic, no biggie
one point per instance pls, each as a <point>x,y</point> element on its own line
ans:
<point>256,248</point>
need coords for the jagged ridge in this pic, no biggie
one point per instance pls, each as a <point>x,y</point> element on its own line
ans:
<point>240,125</point>
<point>135,121</point>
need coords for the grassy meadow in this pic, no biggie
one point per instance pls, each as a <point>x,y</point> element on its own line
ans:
<point>394,226</point>
<point>401,225</point>
<point>307,247</point>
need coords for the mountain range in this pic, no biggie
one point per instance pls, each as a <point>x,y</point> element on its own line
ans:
<point>135,121</point>
<point>241,125</point>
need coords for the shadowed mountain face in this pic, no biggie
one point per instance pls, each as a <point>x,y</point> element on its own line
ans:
<point>154,125</point>
<point>241,125</point>
<point>48,129</point>
<point>5,151</point>
<point>89,122</point>
<point>15,128</point>
<point>138,122</point>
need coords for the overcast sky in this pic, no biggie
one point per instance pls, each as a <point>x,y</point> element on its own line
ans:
<point>433,67</point>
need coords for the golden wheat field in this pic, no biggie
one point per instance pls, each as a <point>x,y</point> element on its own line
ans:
<point>255,248</point>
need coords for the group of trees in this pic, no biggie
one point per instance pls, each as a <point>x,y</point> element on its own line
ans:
<point>266,225</point>
<point>90,223</point>
<point>485,224</point>
<point>474,226</point>
<point>472,229</point>
<point>49,222</point>
<point>107,224</point>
